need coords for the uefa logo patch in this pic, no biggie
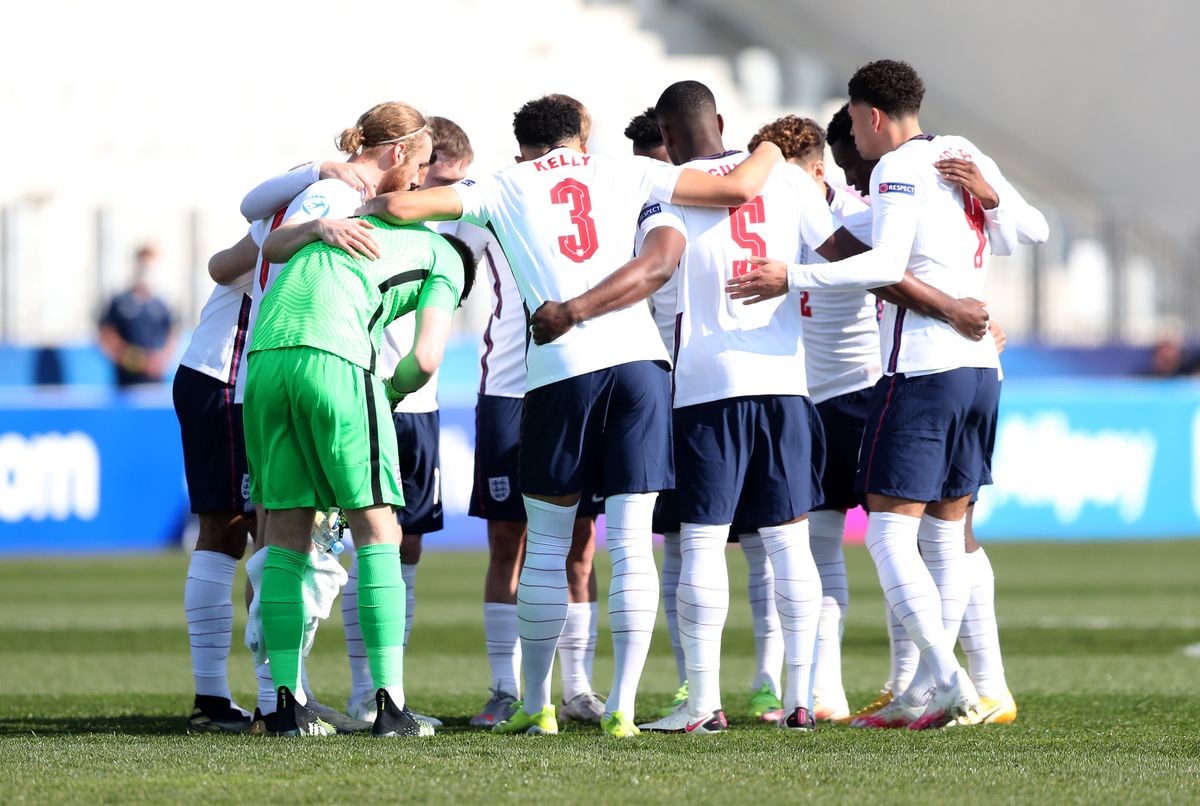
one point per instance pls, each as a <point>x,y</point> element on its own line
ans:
<point>896,187</point>
<point>499,488</point>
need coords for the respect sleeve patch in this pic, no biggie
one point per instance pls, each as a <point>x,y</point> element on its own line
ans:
<point>897,187</point>
<point>649,210</point>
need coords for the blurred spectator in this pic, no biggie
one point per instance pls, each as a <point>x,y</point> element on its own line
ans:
<point>137,331</point>
<point>1167,359</point>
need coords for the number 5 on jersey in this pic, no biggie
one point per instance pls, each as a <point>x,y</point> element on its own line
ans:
<point>740,219</point>
<point>582,244</point>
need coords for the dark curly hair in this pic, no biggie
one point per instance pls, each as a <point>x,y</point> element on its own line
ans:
<point>643,130</point>
<point>797,137</point>
<point>546,122</point>
<point>839,127</point>
<point>890,86</point>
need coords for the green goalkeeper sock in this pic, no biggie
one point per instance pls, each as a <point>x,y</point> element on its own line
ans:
<point>381,615</point>
<point>281,606</point>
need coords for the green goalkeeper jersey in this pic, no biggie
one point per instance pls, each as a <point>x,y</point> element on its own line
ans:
<point>330,300</point>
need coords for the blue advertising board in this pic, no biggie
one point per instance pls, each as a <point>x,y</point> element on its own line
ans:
<point>93,471</point>
<point>1089,460</point>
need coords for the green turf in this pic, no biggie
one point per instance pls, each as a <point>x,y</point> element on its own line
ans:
<point>95,680</point>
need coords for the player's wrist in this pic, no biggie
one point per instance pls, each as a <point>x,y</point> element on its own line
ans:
<point>575,312</point>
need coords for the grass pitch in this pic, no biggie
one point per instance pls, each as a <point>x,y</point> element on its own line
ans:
<point>95,685</point>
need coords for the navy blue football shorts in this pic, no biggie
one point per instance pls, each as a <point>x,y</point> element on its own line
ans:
<point>214,447</point>
<point>418,439</point>
<point>753,460</point>
<point>844,419</point>
<point>930,437</point>
<point>496,492</point>
<point>607,431</point>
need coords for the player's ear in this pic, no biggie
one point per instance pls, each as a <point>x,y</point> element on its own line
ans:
<point>876,119</point>
<point>818,170</point>
<point>398,153</point>
<point>720,123</point>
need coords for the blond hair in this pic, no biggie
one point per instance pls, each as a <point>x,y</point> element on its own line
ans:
<point>382,124</point>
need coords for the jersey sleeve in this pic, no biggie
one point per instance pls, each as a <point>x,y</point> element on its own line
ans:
<point>479,198</point>
<point>443,287</point>
<point>817,221</point>
<point>860,224</point>
<point>1024,221</point>
<point>896,202</point>
<point>657,179</point>
<point>657,214</point>
<point>278,191</point>
<point>327,198</point>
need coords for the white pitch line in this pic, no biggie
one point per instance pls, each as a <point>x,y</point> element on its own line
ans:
<point>1192,651</point>
<point>1106,623</point>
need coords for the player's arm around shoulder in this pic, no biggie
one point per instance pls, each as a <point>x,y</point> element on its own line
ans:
<point>412,206</point>
<point>226,266</point>
<point>736,188</point>
<point>317,214</point>
<point>661,252</point>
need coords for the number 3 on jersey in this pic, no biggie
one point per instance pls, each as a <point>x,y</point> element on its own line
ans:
<point>581,245</point>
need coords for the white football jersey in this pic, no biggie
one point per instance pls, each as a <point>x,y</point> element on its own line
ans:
<point>220,335</point>
<point>726,348</point>
<point>664,303</point>
<point>841,328</point>
<point>937,231</point>
<point>329,198</point>
<point>565,221</point>
<point>502,350</point>
<point>398,340</point>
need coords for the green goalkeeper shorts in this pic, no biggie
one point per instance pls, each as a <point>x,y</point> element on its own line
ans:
<point>318,432</point>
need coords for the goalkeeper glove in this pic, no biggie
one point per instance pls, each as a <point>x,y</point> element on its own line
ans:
<point>394,396</point>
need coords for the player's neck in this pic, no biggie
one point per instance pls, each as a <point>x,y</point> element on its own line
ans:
<point>903,130</point>
<point>371,162</point>
<point>700,146</point>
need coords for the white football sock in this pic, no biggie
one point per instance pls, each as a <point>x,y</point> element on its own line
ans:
<point>208,609</point>
<point>503,646</point>
<point>980,635</point>
<point>825,529</point>
<point>910,590</point>
<point>542,595</point>
<point>589,657</point>
<point>942,546</point>
<point>307,689</point>
<point>362,687</point>
<point>905,655</point>
<point>798,600</point>
<point>266,688</point>
<point>632,592</point>
<point>768,638</point>
<point>703,602</point>
<point>573,646</point>
<point>672,562</point>
<point>409,572</point>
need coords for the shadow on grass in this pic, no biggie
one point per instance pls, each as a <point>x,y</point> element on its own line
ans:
<point>129,725</point>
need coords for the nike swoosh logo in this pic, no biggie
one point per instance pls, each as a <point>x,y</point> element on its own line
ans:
<point>691,727</point>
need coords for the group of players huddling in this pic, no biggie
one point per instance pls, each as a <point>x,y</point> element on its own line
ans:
<point>697,341</point>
